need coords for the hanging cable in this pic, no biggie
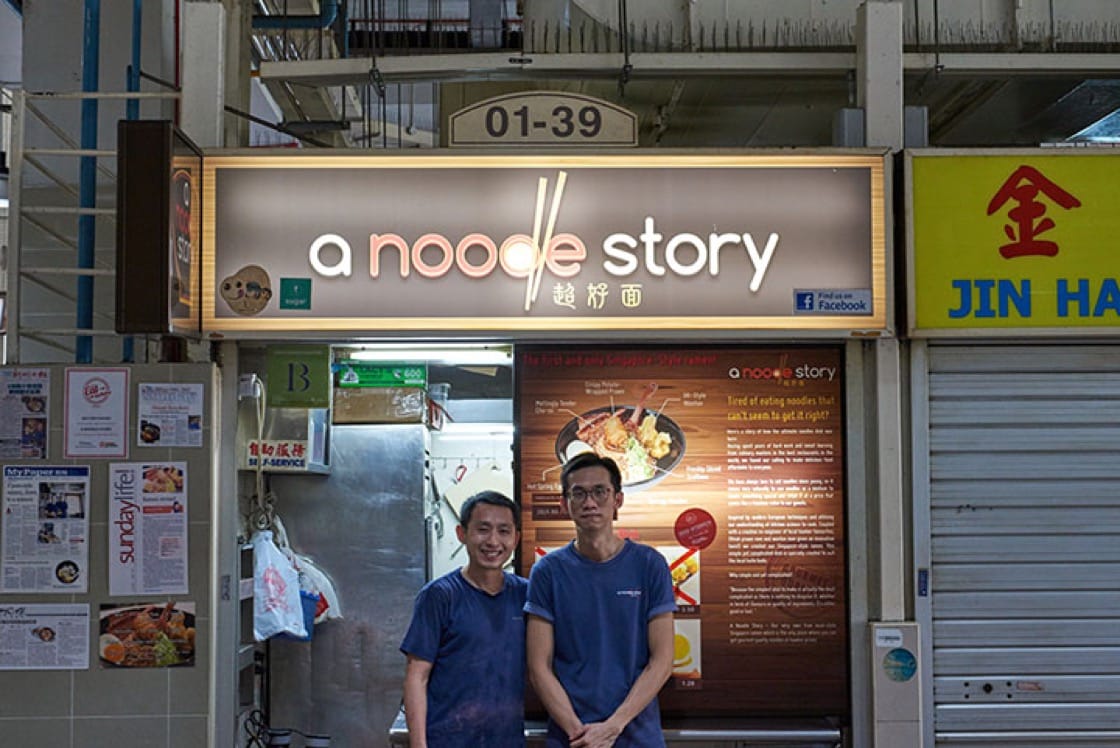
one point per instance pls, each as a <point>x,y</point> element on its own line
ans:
<point>262,511</point>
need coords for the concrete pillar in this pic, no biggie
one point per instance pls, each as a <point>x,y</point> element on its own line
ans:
<point>238,61</point>
<point>879,94</point>
<point>879,88</point>
<point>879,71</point>
<point>203,72</point>
<point>215,63</point>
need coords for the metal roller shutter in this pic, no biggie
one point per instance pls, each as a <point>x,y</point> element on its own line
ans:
<point>1024,501</point>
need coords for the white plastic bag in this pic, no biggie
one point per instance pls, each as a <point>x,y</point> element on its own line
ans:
<point>314,579</point>
<point>276,603</point>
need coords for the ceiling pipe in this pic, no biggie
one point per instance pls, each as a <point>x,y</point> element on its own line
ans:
<point>328,11</point>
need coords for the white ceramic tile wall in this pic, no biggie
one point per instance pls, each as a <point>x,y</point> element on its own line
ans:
<point>157,708</point>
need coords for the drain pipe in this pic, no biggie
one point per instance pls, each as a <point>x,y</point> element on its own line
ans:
<point>87,179</point>
<point>328,11</point>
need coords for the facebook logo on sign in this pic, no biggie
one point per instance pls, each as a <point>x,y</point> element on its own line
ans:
<point>803,301</point>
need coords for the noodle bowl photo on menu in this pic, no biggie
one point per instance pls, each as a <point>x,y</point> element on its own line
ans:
<point>646,444</point>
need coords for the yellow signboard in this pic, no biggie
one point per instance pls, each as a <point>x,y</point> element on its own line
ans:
<point>1013,242</point>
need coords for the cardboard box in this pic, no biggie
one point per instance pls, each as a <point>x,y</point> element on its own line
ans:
<point>380,405</point>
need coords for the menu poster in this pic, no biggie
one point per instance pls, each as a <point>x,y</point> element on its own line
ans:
<point>44,637</point>
<point>733,468</point>
<point>24,413</point>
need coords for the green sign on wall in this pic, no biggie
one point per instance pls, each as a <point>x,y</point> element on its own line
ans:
<point>299,376</point>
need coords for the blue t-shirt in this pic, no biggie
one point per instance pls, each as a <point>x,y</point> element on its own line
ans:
<point>600,615</point>
<point>476,644</point>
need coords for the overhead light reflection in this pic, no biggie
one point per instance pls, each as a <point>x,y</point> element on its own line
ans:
<point>452,356</point>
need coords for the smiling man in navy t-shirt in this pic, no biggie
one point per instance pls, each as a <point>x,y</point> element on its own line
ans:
<point>464,684</point>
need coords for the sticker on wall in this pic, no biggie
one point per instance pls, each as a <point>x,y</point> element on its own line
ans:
<point>247,292</point>
<point>832,301</point>
<point>900,664</point>
<point>295,293</point>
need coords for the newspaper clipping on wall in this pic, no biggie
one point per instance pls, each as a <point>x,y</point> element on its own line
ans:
<point>24,413</point>
<point>44,637</point>
<point>46,529</point>
<point>147,528</point>
<point>169,415</point>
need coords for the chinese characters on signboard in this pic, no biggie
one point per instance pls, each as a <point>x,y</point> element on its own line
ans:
<point>1028,248</point>
<point>667,242</point>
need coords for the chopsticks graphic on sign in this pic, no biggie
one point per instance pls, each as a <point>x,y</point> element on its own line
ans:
<point>533,280</point>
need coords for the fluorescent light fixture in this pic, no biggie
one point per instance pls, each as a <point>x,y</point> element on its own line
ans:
<point>451,355</point>
<point>495,429</point>
<point>457,430</point>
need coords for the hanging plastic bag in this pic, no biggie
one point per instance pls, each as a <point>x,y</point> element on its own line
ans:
<point>309,604</point>
<point>277,608</point>
<point>314,579</point>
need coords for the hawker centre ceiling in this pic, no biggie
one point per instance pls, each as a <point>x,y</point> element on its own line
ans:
<point>731,78</point>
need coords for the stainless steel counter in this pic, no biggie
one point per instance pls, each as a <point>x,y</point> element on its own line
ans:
<point>731,732</point>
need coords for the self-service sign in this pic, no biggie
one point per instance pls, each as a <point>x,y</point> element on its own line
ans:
<point>717,241</point>
<point>1013,243</point>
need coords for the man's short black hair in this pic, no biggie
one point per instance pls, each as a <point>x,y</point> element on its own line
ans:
<point>587,460</point>
<point>493,498</point>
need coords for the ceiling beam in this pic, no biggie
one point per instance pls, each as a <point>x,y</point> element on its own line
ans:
<point>518,66</point>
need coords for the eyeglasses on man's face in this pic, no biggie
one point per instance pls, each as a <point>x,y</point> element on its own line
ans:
<point>579,494</point>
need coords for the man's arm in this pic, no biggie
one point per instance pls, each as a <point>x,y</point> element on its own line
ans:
<point>416,676</point>
<point>644,690</point>
<point>538,659</point>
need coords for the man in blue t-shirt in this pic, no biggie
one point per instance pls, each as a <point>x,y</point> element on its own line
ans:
<point>600,631</point>
<point>464,683</point>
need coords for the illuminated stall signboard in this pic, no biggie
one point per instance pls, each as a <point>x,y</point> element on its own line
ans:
<point>715,241</point>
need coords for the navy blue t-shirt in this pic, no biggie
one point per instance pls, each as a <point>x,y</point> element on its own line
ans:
<point>476,644</point>
<point>600,613</point>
